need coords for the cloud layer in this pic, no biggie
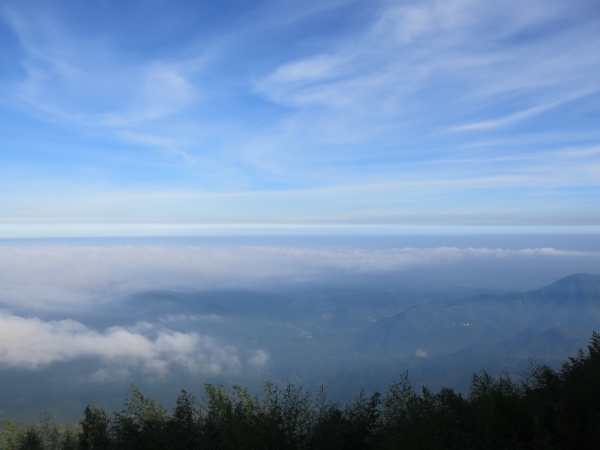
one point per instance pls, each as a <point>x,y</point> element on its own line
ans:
<point>63,280</point>
<point>64,276</point>
<point>31,343</point>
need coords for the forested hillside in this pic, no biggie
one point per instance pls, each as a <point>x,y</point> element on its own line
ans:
<point>441,328</point>
<point>546,409</point>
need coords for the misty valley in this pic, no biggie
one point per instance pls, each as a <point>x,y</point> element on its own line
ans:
<point>366,336</point>
<point>359,335</point>
<point>300,342</point>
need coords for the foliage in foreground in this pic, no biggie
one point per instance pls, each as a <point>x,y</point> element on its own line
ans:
<point>548,409</point>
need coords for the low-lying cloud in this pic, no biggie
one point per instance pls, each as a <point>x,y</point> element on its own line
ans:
<point>48,277</point>
<point>31,343</point>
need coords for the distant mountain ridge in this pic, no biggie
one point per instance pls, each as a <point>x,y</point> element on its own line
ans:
<point>577,289</point>
<point>442,328</point>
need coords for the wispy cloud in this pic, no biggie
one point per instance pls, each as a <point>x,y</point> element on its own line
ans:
<point>580,152</point>
<point>440,189</point>
<point>89,83</point>
<point>211,116</point>
<point>419,46</point>
<point>426,66</point>
<point>516,117</point>
<point>508,120</point>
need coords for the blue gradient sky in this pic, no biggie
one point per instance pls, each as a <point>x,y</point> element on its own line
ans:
<point>131,115</point>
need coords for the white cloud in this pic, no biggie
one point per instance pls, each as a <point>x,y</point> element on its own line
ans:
<point>105,375</point>
<point>258,359</point>
<point>469,54</point>
<point>160,90</point>
<point>88,82</point>
<point>68,277</point>
<point>516,117</point>
<point>31,343</point>
<point>316,68</point>
<point>178,318</point>
<point>508,120</point>
<point>579,152</point>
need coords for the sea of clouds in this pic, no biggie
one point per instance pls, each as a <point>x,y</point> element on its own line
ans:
<point>56,276</point>
<point>36,279</point>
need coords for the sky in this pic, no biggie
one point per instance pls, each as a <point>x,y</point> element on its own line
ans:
<point>167,118</point>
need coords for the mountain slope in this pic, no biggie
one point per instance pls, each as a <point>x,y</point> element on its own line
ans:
<point>436,329</point>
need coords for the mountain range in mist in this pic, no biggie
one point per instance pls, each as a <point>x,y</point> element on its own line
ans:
<point>346,337</point>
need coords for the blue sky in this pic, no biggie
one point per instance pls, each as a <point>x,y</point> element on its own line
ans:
<point>162,116</point>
